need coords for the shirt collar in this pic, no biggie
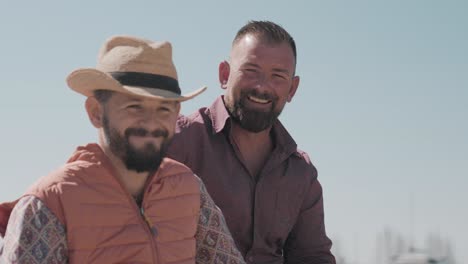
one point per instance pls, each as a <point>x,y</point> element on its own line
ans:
<point>218,115</point>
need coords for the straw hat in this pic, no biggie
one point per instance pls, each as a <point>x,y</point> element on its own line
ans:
<point>134,66</point>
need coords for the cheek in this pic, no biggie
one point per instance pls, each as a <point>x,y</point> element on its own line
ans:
<point>230,98</point>
<point>128,123</point>
<point>284,90</point>
<point>240,79</point>
<point>169,122</point>
<point>283,97</point>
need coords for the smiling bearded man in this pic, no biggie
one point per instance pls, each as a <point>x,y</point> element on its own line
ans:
<point>121,200</point>
<point>267,187</point>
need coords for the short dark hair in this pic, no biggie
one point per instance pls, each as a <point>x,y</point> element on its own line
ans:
<point>269,31</point>
<point>103,95</point>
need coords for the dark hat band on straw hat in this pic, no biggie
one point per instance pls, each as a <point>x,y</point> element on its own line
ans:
<point>134,66</point>
<point>148,80</point>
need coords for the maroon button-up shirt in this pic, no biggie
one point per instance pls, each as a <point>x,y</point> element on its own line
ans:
<point>276,217</point>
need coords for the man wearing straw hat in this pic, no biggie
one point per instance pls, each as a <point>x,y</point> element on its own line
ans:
<point>121,200</point>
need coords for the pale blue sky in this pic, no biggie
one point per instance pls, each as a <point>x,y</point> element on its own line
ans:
<point>381,108</point>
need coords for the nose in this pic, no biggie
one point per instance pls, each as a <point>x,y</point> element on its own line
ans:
<point>262,83</point>
<point>150,120</point>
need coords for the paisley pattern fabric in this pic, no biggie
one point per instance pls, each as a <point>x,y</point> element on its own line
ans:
<point>35,235</point>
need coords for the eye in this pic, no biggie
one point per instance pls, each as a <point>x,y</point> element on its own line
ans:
<point>165,109</point>
<point>134,107</point>
<point>250,70</point>
<point>280,76</point>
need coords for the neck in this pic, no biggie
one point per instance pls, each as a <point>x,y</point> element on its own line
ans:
<point>246,138</point>
<point>133,182</point>
<point>255,148</point>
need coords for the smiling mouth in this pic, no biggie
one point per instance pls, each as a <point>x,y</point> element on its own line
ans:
<point>145,138</point>
<point>258,100</point>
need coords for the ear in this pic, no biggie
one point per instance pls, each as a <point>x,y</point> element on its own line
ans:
<point>224,69</point>
<point>95,111</point>
<point>294,85</point>
<point>178,108</point>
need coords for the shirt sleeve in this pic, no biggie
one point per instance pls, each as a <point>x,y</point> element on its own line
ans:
<point>178,148</point>
<point>214,241</point>
<point>34,235</point>
<point>308,242</point>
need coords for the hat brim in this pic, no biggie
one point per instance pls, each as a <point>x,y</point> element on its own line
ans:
<point>86,81</point>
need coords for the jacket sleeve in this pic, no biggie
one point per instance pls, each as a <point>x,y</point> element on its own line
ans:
<point>307,241</point>
<point>34,235</point>
<point>214,241</point>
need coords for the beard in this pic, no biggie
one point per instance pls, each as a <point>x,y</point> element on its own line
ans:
<point>144,159</point>
<point>253,120</point>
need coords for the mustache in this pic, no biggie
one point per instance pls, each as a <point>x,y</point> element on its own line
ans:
<point>141,132</point>
<point>264,95</point>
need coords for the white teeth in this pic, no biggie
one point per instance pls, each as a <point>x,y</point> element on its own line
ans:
<point>258,100</point>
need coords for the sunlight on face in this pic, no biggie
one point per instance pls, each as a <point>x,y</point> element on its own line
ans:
<point>260,82</point>
<point>139,131</point>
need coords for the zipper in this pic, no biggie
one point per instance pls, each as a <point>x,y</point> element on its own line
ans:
<point>153,232</point>
<point>150,229</point>
<point>144,220</point>
<point>150,225</point>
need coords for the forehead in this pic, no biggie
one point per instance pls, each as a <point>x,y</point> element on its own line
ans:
<point>253,49</point>
<point>122,98</point>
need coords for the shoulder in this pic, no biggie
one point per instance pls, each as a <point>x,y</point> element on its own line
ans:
<point>298,160</point>
<point>62,186</point>
<point>301,163</point>
<point>30,206</point>
<point>170,167</point>
<point>190,134</point>
<point>201,116</point>
<point>302,155</point>
<point>178,172</point>
<point>67,175</point>
<point>31,210</point>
